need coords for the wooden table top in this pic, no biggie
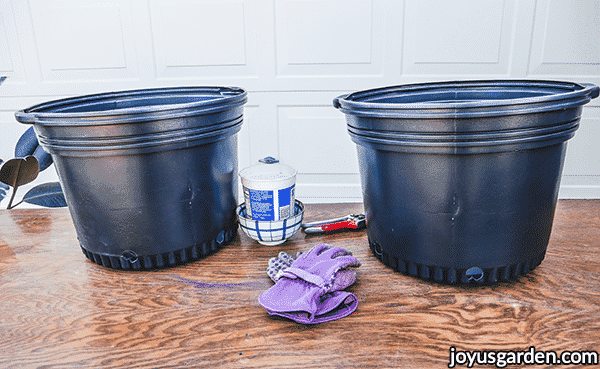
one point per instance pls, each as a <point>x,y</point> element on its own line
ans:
<point>59,310</point>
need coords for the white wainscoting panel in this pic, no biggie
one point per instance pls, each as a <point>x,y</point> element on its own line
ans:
<point>83,40</point>
<point>203,38</point>
<point>566,38</point>
<point>325,37</point>
<point>334,44</point>
<point>313,139</point>
<point>11,59</point>
<point>583,150</point>
<point>457,37</point>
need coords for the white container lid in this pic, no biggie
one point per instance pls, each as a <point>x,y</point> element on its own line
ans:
<point>268,176</point>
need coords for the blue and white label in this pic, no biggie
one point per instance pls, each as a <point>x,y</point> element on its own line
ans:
<point>286,200</point>
<point>268,204</point>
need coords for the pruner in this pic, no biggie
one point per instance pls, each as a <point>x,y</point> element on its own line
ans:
<point>351,221</point>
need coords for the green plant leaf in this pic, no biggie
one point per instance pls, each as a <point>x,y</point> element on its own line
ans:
<point>3,189</point>
<point>3,186</point>
<point>48,194</point>
<point>28,145</point>
<point>19,171</point>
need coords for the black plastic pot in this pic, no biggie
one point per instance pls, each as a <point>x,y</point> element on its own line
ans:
<point>150,176</point>
<point>460,179</point>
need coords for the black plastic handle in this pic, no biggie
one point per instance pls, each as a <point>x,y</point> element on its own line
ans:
<point>594,90</point>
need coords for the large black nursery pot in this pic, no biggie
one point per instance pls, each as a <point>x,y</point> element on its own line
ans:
<point>460,179</point>
<point>149,176</point>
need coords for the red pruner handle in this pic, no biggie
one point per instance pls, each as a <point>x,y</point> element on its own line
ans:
<point>346,224</point>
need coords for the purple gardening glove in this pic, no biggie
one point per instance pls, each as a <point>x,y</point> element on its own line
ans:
<point>344,277</point>
<point>309,290</point>
<point>279,263</point>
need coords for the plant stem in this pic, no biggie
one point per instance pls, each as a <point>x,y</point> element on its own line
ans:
<point>12,197</point>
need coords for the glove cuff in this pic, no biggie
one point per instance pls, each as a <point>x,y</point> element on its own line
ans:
<point>336,305</point>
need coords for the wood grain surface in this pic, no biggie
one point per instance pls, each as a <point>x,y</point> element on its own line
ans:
<point>59,310</point>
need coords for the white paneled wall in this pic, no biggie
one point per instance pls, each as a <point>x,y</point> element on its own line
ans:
<point>294,57</point>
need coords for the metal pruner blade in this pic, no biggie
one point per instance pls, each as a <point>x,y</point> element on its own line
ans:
<point>350,221</point>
